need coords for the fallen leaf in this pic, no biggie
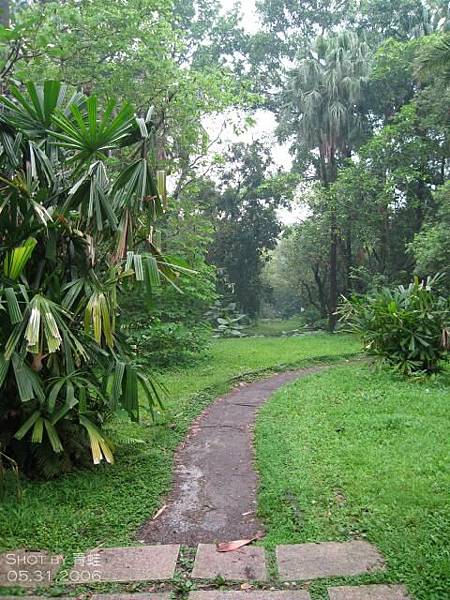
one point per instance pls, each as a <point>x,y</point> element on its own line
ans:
<point>160,511</point>
<point>246,586</point>
<point>236,544</point>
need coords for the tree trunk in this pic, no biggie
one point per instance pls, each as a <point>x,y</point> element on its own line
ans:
<point>332,303</point>
<point>348,258</point>
<point>333,291</point>
<point>4,13</point>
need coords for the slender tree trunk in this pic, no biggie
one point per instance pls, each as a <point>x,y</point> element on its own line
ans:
<point>348,258</point>
<point>4,13</point>
<point>321,293</point>
<point>332,303</point>
<point>333,293</point>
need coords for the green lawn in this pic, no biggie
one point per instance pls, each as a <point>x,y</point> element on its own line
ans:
<point>350,453</point>
<point>82,510</point>
<point>275,327</point>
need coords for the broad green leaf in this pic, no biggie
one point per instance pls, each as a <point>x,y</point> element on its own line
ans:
<point>17,259</point>
<point>25,428</point>
<point>15,314</point>
<point>53,436</point>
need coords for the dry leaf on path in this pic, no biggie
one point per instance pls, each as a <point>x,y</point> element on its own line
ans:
<point>160,511</point>
<point>236,544</point>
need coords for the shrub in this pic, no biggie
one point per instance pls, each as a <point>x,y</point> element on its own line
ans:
<point>169,329</point>
<point>159,344</point>
<point>407,327</point>
<point>226,320</point>
<point>75,221</point>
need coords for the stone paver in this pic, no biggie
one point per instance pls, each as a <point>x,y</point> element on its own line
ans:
<point>369,592</point>
<point>139,596</point>
<point>141,563</point>
<point>245,564</point>
<point>251,595</point>
<point>328,559</point>
<point>28,569</point>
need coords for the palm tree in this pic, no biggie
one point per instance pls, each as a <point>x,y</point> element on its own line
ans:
<point>78,199</point>
<point>325,91</point>
<point>433,61</point>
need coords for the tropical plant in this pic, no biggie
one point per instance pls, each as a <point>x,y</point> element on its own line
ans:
<point>434,59</point>
<point>79,196</point>
<point>226,319</point>
<point>166,344</point>
<point>406,327</point>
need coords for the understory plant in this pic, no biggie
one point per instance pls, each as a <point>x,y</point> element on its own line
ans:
<point>169,329</point>
<point>226,319</point>
<point>161,344</point>
<point>78,198</point>
<point>406,327</point>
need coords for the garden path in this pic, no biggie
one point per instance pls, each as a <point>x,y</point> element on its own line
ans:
<point>215,482</point>
<point>213,500</point>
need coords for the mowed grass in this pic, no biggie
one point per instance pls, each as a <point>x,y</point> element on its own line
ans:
<point>106,505</point>
<point>275,327</point>
<point>353,454</point>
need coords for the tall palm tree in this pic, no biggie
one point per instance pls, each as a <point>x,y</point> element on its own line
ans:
<point>325,91</point>
<point>434,60</point>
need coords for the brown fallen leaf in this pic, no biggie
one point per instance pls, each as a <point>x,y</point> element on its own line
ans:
<point>246,586</point>
<point>236,544</point>
<point>160,511</point>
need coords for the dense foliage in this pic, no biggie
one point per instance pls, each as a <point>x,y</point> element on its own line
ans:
<point>407,327</point>
<point>363,108</point>
<point>74,228</point>
<point>246,225</point>
<point>379,216</point>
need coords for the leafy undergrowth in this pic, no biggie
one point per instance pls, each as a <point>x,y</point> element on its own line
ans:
<point>82,510</point>
<point>349,453</point>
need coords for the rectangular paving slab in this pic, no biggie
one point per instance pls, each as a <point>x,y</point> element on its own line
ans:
<point>140,563</point>
<point>328,559</point>
<point>245,564</point>
<point>251,595</point>
<point>369,592</point>
<point>28,569</point>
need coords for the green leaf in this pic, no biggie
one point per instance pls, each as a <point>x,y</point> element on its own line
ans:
<point>38,431</point>
<point>25,428</point>
<point>53,436</point>
<point>119,370</point>
<point>23,379</point>
<point>15,314</point>
<point>162,186</point>
<point>4,366</point>
<point>17,259</point>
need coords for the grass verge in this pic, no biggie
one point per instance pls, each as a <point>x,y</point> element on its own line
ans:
<point>349,453</point>
<point>105,506</point>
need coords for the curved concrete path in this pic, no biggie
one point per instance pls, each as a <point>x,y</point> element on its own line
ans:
<point>215,483</point>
